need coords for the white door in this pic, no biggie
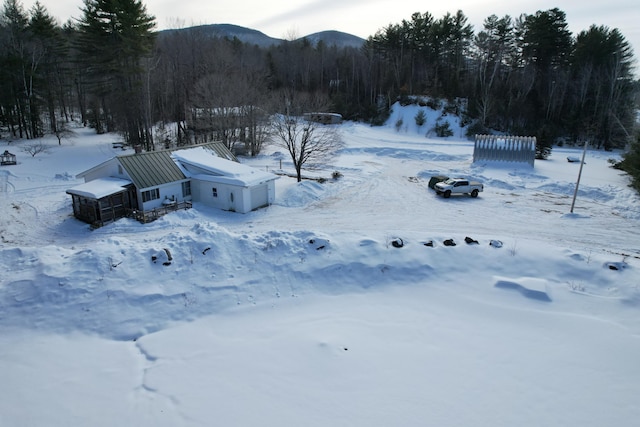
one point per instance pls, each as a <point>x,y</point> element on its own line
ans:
<point>259,196</point>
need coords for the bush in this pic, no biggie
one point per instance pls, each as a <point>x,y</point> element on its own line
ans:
<point>631,164</point>
<point>399,124</point>
<point>542,152</point>
<point>433,103</point>
<point>420,118</point>
<point>405,100</point>
<point>476,128</point>
<point>442,129</point>
<point>450,108</point>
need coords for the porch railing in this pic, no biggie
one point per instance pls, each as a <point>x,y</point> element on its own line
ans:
<point>152,215</point>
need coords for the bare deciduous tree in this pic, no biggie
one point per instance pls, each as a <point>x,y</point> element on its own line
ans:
<point>62,130</point>
<point>309,143</point>
<point>35,148</point>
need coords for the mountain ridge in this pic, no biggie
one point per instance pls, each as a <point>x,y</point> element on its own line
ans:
<point>251,36</point>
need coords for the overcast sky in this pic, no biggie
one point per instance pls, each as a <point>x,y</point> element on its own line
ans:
<point>284,18</point>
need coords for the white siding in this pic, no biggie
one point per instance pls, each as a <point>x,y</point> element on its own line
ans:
<point>259,196</point>
<point>167,191</point>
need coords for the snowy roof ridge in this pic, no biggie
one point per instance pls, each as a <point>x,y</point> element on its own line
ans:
<point>222,170</point>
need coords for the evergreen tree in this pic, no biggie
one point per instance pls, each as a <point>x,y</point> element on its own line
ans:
<point>631,163</point>
<point>602,70</point>
<point>546,47</point>
<point>46,44</point>
<point>114,37</point>
<point>420,118</point>
<point>15,72</point>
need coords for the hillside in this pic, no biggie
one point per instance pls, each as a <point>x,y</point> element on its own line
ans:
<point>255,37</point>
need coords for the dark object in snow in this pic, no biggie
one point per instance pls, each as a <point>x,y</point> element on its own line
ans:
<point>429,243</point>
<point>449,242</point>
<point>572,159</point>
<point>470,241</point>
<point>205,250</point>
<point>495,243</point>
<point>436,179</point>
<point>616,266</point>
<point>167,254</point>
<point>397,243</point>
<point>319,243</point>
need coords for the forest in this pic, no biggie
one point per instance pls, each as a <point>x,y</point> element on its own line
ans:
<point>111,70</point>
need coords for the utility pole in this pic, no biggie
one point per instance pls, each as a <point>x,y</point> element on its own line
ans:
<point>575,193</point>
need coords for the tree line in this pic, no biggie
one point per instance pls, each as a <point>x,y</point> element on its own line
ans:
<point>111,70</point>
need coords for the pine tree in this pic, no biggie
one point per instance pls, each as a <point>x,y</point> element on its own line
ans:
<point>114,37</point>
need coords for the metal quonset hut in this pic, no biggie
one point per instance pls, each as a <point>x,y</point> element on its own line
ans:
<point>505,148</point>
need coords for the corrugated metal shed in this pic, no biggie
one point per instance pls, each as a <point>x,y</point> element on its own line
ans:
<point>154,168</point>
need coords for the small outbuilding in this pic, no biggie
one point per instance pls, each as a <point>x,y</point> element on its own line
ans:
<point>7,158</point>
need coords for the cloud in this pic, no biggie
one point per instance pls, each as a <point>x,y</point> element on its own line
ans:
<point>302,12</point>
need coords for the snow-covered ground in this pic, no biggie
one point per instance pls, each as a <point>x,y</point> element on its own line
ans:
<point>304,313</point>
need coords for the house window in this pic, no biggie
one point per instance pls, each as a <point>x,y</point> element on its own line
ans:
<point>215,192</point>
<point>150,195</point>
<point>186,188</point>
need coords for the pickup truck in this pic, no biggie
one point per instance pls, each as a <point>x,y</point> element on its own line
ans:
<point>458,186</point>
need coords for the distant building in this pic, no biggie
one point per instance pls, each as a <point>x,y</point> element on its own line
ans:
<point>147,185</point>
<point>7,158</point>
<point>324,118</point>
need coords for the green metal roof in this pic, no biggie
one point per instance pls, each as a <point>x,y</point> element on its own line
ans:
<point>154,168</point>
<point>219,149</point>
<point>151,169</point>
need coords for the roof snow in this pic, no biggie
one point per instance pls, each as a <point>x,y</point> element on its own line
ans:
<point>202,164</point>
<point>99,188</point>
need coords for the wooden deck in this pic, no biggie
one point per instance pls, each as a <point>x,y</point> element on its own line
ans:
<point>152,215</point>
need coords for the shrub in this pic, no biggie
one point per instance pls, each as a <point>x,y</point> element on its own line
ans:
<point>405,100</point>
<point>399,124</point>
<point>420,118</point>
<point>433,103</point>
<point>476,128</point>
<point>450,108</point>
<point>442,129</point>
<point>542,152</point>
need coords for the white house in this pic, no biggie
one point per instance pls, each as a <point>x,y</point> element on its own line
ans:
<point>223,184</point>
<point>146,185</point>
